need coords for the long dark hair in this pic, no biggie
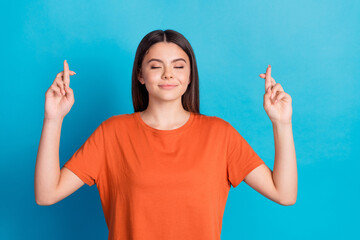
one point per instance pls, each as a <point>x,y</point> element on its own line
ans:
<point>140,95</point>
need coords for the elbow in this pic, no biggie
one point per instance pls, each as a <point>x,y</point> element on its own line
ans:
<point>288,202</point>
<point>288,199</point>
<point>44,198</point>
<point>43,201</point>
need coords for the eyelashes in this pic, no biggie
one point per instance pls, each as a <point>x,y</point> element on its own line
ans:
<point>159,67</point>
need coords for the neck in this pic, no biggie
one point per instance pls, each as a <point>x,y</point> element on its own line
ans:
<point>165,114</point>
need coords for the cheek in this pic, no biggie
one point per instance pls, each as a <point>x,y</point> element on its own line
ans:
<point>152,77</point>
<point>186,78</point>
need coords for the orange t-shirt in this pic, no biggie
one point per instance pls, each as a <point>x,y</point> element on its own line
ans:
<point>164,184</point>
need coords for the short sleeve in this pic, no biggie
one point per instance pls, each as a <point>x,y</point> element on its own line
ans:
<point>88,160</point>
<point>241,158</point>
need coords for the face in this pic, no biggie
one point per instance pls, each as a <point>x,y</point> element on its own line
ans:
<point>165,64</point>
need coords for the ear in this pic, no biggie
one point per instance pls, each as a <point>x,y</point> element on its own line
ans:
<point>140,78</point>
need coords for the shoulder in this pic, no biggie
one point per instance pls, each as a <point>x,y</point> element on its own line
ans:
<point>117,121</point>
<point>213,121</point>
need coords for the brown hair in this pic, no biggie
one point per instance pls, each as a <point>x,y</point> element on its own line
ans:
<point>140,95</point>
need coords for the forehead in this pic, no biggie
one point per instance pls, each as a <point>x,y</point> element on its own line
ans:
<point>165,50</point>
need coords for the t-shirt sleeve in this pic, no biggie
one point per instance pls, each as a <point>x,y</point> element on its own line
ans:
<point>88,160</point>
<point>241,157</point>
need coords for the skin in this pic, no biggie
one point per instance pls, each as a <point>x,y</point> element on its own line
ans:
<point>279,185</point>
<point>50,184</point>
<point>165,110</point>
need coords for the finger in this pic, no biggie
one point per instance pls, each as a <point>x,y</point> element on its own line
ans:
<point>277,88</point>
<point>272,95</point>
<point>60,84</point>
<point>56,89</point>
<point>268,78</point>
<point>267,99</point>
<point>60,75</point>
<point>262,75</point>
<point>69,91</point>
<point>66,88</point>
<point>280,96</point>
<point>66,76</point>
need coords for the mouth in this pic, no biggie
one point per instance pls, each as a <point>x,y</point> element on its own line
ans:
<point>167,86</point>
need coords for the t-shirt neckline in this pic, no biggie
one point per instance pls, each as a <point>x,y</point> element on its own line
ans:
<point>160,131</point>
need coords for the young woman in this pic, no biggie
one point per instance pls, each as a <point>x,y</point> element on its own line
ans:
<point>164,171</point>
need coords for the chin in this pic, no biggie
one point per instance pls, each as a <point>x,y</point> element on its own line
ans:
<point>168,97</point>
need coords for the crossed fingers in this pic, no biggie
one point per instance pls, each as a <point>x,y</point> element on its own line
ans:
<point>275,88</point>
<point>62,79</point>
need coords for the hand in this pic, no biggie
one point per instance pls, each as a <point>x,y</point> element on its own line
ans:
<point>59,98</point>
<point>277,103</point>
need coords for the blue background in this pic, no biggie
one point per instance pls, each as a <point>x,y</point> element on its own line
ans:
<point>312,46</point>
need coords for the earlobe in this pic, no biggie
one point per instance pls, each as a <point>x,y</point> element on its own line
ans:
<point>140,78</point>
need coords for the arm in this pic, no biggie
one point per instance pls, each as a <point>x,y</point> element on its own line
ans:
<point>285,169</point>
<point>279,185</point>
<point>47,169</point>
<point>51,183</point>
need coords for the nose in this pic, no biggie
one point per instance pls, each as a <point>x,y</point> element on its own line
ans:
<point>168,73</point>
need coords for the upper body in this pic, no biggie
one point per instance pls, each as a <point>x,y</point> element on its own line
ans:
<point>165,170</point>
<point>164,184</point>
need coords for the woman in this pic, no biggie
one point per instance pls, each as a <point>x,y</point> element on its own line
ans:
<point>164,171</point>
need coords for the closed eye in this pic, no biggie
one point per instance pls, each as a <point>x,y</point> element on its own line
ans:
<point>159,67</point>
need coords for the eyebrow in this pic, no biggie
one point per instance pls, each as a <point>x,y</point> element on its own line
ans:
<point>158,60</point>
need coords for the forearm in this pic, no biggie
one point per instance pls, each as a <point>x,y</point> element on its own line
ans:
<point>47,168</point>
<point>285,168</point>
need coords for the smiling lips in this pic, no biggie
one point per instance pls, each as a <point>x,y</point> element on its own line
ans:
<point>167,86</point>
